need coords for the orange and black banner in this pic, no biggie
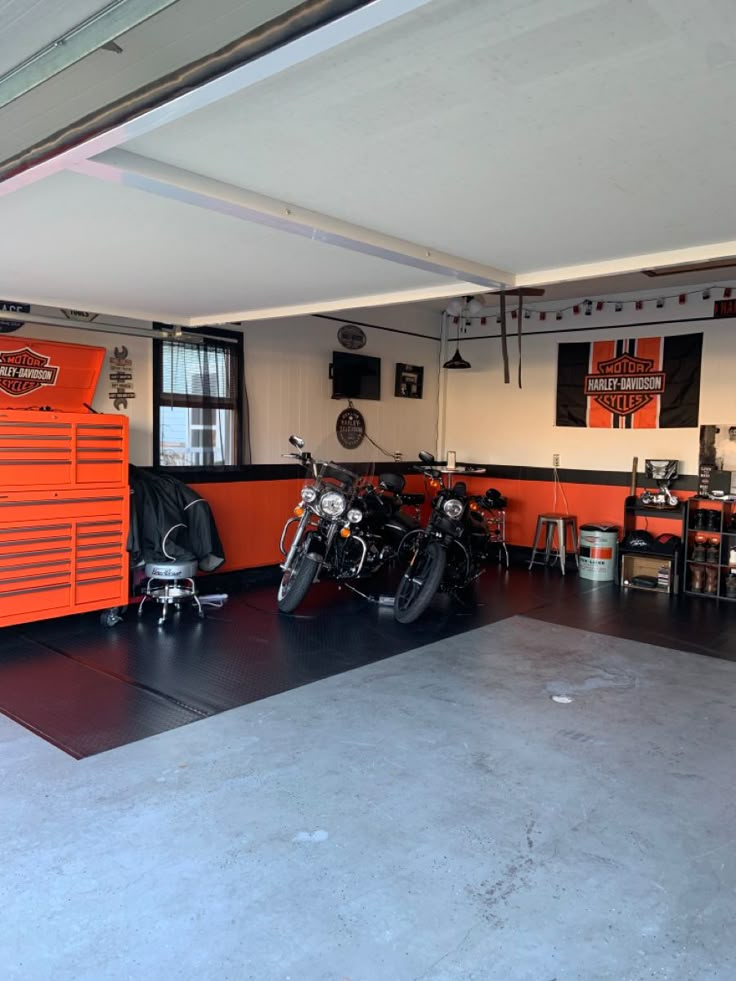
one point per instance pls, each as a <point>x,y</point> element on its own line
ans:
<point>640,383</point>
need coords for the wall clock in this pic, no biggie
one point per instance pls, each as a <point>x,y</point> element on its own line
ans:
<point>351,337</point>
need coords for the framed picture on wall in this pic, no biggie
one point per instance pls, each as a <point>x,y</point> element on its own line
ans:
<point>409,381</point>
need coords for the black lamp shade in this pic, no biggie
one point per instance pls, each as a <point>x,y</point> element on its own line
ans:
<point>457,361</point>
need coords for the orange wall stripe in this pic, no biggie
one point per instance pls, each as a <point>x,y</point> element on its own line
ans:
<point>250,515</point>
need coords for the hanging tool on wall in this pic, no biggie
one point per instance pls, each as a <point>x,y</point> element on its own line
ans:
<point>520,293</point>
<point>504,342</point>
<point>519,315</point>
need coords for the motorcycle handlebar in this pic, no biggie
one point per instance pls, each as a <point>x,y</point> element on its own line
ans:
<point>483,503</point>
<point>307,460</point>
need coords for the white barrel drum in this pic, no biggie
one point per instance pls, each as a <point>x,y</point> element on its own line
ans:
<point>598,547</point>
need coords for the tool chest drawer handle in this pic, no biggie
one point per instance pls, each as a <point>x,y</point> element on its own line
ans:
<point>67,500</point>
<point>21,423</point>
<point>27,436</point>
<point>34,565</point>
<point>15,530</point>
<point>35,589</point>
<point>50,575</point>
<point>37,551</point>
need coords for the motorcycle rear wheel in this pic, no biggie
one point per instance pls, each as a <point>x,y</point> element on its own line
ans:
<point>296,581</point>
<point>419,583</point>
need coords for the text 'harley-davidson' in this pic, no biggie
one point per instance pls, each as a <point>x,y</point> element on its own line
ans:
<point>344,530</point>
<point>448,554</point>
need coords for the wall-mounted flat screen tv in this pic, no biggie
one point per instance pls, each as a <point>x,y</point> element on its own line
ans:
<point>355,376</point>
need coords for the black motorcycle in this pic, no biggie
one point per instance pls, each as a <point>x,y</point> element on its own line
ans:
<point>346,528</point>
<point>449,553</point>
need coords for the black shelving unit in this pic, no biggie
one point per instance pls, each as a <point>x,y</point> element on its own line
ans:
<point>720,535</point>
<point>652,562</point>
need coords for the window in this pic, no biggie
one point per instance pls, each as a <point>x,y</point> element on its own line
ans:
<point>198,401</point>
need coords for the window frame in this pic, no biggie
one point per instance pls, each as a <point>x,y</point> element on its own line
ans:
<point>232,341</point>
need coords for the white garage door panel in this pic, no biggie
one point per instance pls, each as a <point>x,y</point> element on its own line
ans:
<point>521,135</point>
<point>26,26</point>
<point>76,242</point>
<point>183,32</point>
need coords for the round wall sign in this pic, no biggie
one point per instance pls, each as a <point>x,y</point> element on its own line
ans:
<point>350,428</point>
<point>351,337</point>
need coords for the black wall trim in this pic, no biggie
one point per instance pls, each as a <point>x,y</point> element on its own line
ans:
<point>289,471</point>
<point>271,471</point>
<point>575,330</point>
<point>600,478</point>
<point>361,323</point>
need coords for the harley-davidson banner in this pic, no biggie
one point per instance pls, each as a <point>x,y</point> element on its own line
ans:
<point>640,383</point>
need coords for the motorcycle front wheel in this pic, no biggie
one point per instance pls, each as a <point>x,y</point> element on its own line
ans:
<point>296,581</point>
<point>419,583</point>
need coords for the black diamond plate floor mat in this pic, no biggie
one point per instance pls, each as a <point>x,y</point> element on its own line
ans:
<point>87,688</point>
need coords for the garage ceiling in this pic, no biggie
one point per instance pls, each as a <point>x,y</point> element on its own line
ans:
<point>415,148</point>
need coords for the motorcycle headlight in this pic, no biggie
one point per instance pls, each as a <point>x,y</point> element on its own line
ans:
<point>332,504</point>
<point>309,494</point>
<point>354,516</point>
<point>453,508</point>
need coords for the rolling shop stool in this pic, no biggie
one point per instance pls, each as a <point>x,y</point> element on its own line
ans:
<point>171,584</point>
<point>546,525</point>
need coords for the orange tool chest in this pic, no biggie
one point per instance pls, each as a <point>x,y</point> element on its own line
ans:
<point>63,485</point>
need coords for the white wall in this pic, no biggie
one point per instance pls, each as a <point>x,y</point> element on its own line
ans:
<point>140,409</point>
<point>483,419</point>
<point>488,421</point>
<point>289,388</point>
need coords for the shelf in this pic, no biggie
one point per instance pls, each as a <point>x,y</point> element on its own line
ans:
<point>714,596</point>
<point>647,589</point>
<point>712,565</point>
<point>648,553</point>
<point>656,512</point>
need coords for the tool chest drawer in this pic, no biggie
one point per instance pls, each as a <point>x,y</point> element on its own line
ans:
<point>62,552</point>
<point>62,450</point>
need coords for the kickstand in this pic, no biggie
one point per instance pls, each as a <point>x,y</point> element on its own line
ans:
<point>365,596</point>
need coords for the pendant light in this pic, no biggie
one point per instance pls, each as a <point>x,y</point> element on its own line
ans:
<point>457,309</point>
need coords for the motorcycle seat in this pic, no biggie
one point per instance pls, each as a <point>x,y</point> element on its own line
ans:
<point>412,500</point>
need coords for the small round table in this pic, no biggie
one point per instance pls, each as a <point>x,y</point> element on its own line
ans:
<point>458,472</point>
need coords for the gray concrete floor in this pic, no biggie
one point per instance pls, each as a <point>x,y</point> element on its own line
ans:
<point>434,816</point>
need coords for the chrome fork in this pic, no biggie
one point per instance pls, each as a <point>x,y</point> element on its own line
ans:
<point>303,521</point>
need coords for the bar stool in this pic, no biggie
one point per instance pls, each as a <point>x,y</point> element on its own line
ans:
<point>546,525</point>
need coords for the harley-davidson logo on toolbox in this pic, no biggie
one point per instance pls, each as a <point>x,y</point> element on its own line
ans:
<point>24,370</point>
<point>625,384</point>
